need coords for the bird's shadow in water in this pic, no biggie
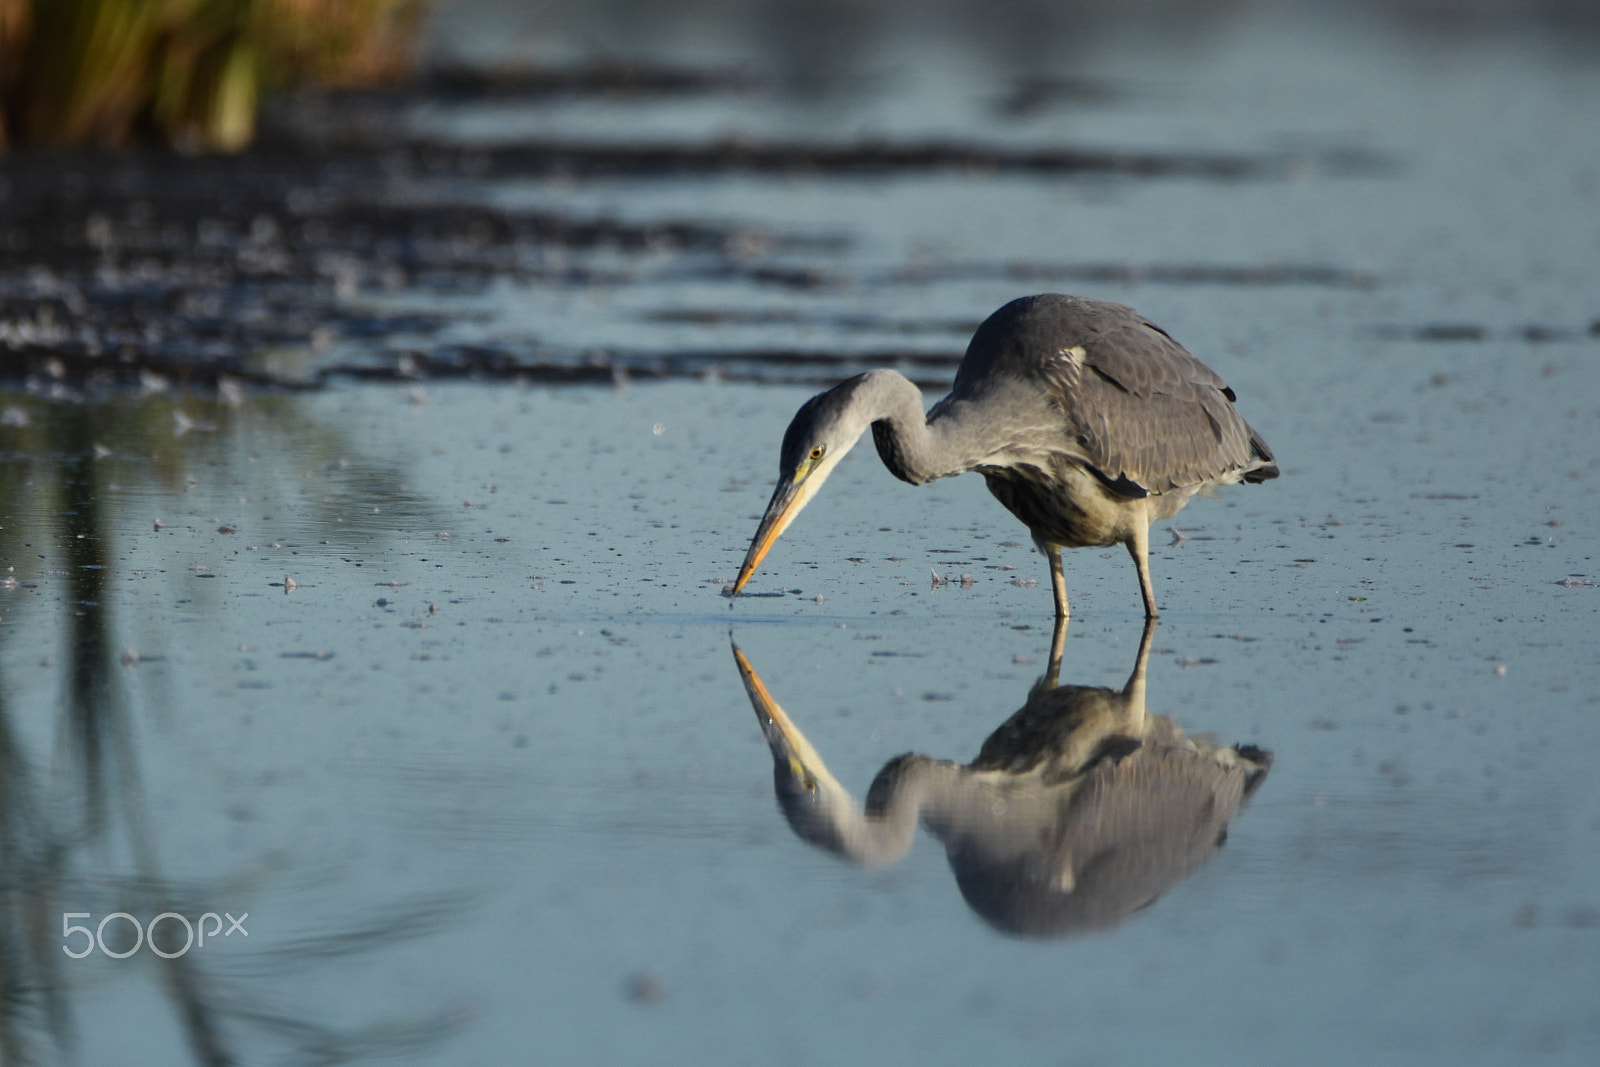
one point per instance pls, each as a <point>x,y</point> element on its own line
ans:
<point>1079,810</point>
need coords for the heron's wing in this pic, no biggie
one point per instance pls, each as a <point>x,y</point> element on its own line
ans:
<point>1095,382</point>
<point>1139,406</point>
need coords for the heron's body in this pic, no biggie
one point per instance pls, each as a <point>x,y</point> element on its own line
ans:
<point>1079,810</point>
<point>1087,422</point>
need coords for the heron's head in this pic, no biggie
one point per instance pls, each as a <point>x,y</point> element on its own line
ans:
<point>823,430</point>
<point>817,807</point>
<point>820,810</point>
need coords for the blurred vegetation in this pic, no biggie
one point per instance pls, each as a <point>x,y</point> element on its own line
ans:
<point>77,826</point>
<point>187,72</point>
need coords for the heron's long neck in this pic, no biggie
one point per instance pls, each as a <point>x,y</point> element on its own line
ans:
<point>879,838</point>
<point>881,832</point>
<point>875,834</point>
<point>913,449</point>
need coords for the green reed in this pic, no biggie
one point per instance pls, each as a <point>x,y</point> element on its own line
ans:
<point>187,72</point>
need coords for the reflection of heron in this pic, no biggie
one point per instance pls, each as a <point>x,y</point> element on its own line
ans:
<point>1079,810</point>
<point>1088,423</point>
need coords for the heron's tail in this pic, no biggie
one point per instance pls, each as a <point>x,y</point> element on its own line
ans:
<point>1267,468</point>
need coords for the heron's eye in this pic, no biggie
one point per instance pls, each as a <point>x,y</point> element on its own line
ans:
<point>816,453</point>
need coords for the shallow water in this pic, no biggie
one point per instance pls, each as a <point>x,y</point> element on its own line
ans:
<point>485,778</point>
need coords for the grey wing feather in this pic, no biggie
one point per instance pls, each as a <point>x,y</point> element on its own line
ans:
<point>1141,407</point>
<point>1097,381</point>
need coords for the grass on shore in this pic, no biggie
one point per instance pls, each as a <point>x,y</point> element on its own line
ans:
<point>186,72</point>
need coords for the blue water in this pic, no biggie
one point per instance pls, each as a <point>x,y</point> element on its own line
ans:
<point>486,780</point>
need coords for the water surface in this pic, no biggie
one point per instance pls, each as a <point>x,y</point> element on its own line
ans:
<point>426,667</point>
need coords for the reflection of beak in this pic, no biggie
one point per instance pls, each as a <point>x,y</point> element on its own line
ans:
<point>787,499</point>
<point>788,744</point>
<point>820,811</point>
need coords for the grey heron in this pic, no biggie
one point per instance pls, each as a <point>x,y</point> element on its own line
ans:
<point>1079,809</point>
<point>1087,421</point>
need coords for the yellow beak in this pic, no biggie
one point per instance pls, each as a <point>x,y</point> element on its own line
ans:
<point>783,736</point>
<point>791,495</point>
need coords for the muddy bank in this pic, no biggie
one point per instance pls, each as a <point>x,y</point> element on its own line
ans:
<point>290,264</point>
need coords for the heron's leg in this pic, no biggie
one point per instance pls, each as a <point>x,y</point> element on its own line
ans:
<point>1139,549</point>
<point>1058,581</point>
<point>1058,645</point>
<point>1134,690</point>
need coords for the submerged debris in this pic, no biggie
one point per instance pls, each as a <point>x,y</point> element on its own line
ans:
<point>644,987</point>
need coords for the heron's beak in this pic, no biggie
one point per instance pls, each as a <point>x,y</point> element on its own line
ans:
<point>792,493</point>
<point>820,811</point>
<point>789,746</point>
